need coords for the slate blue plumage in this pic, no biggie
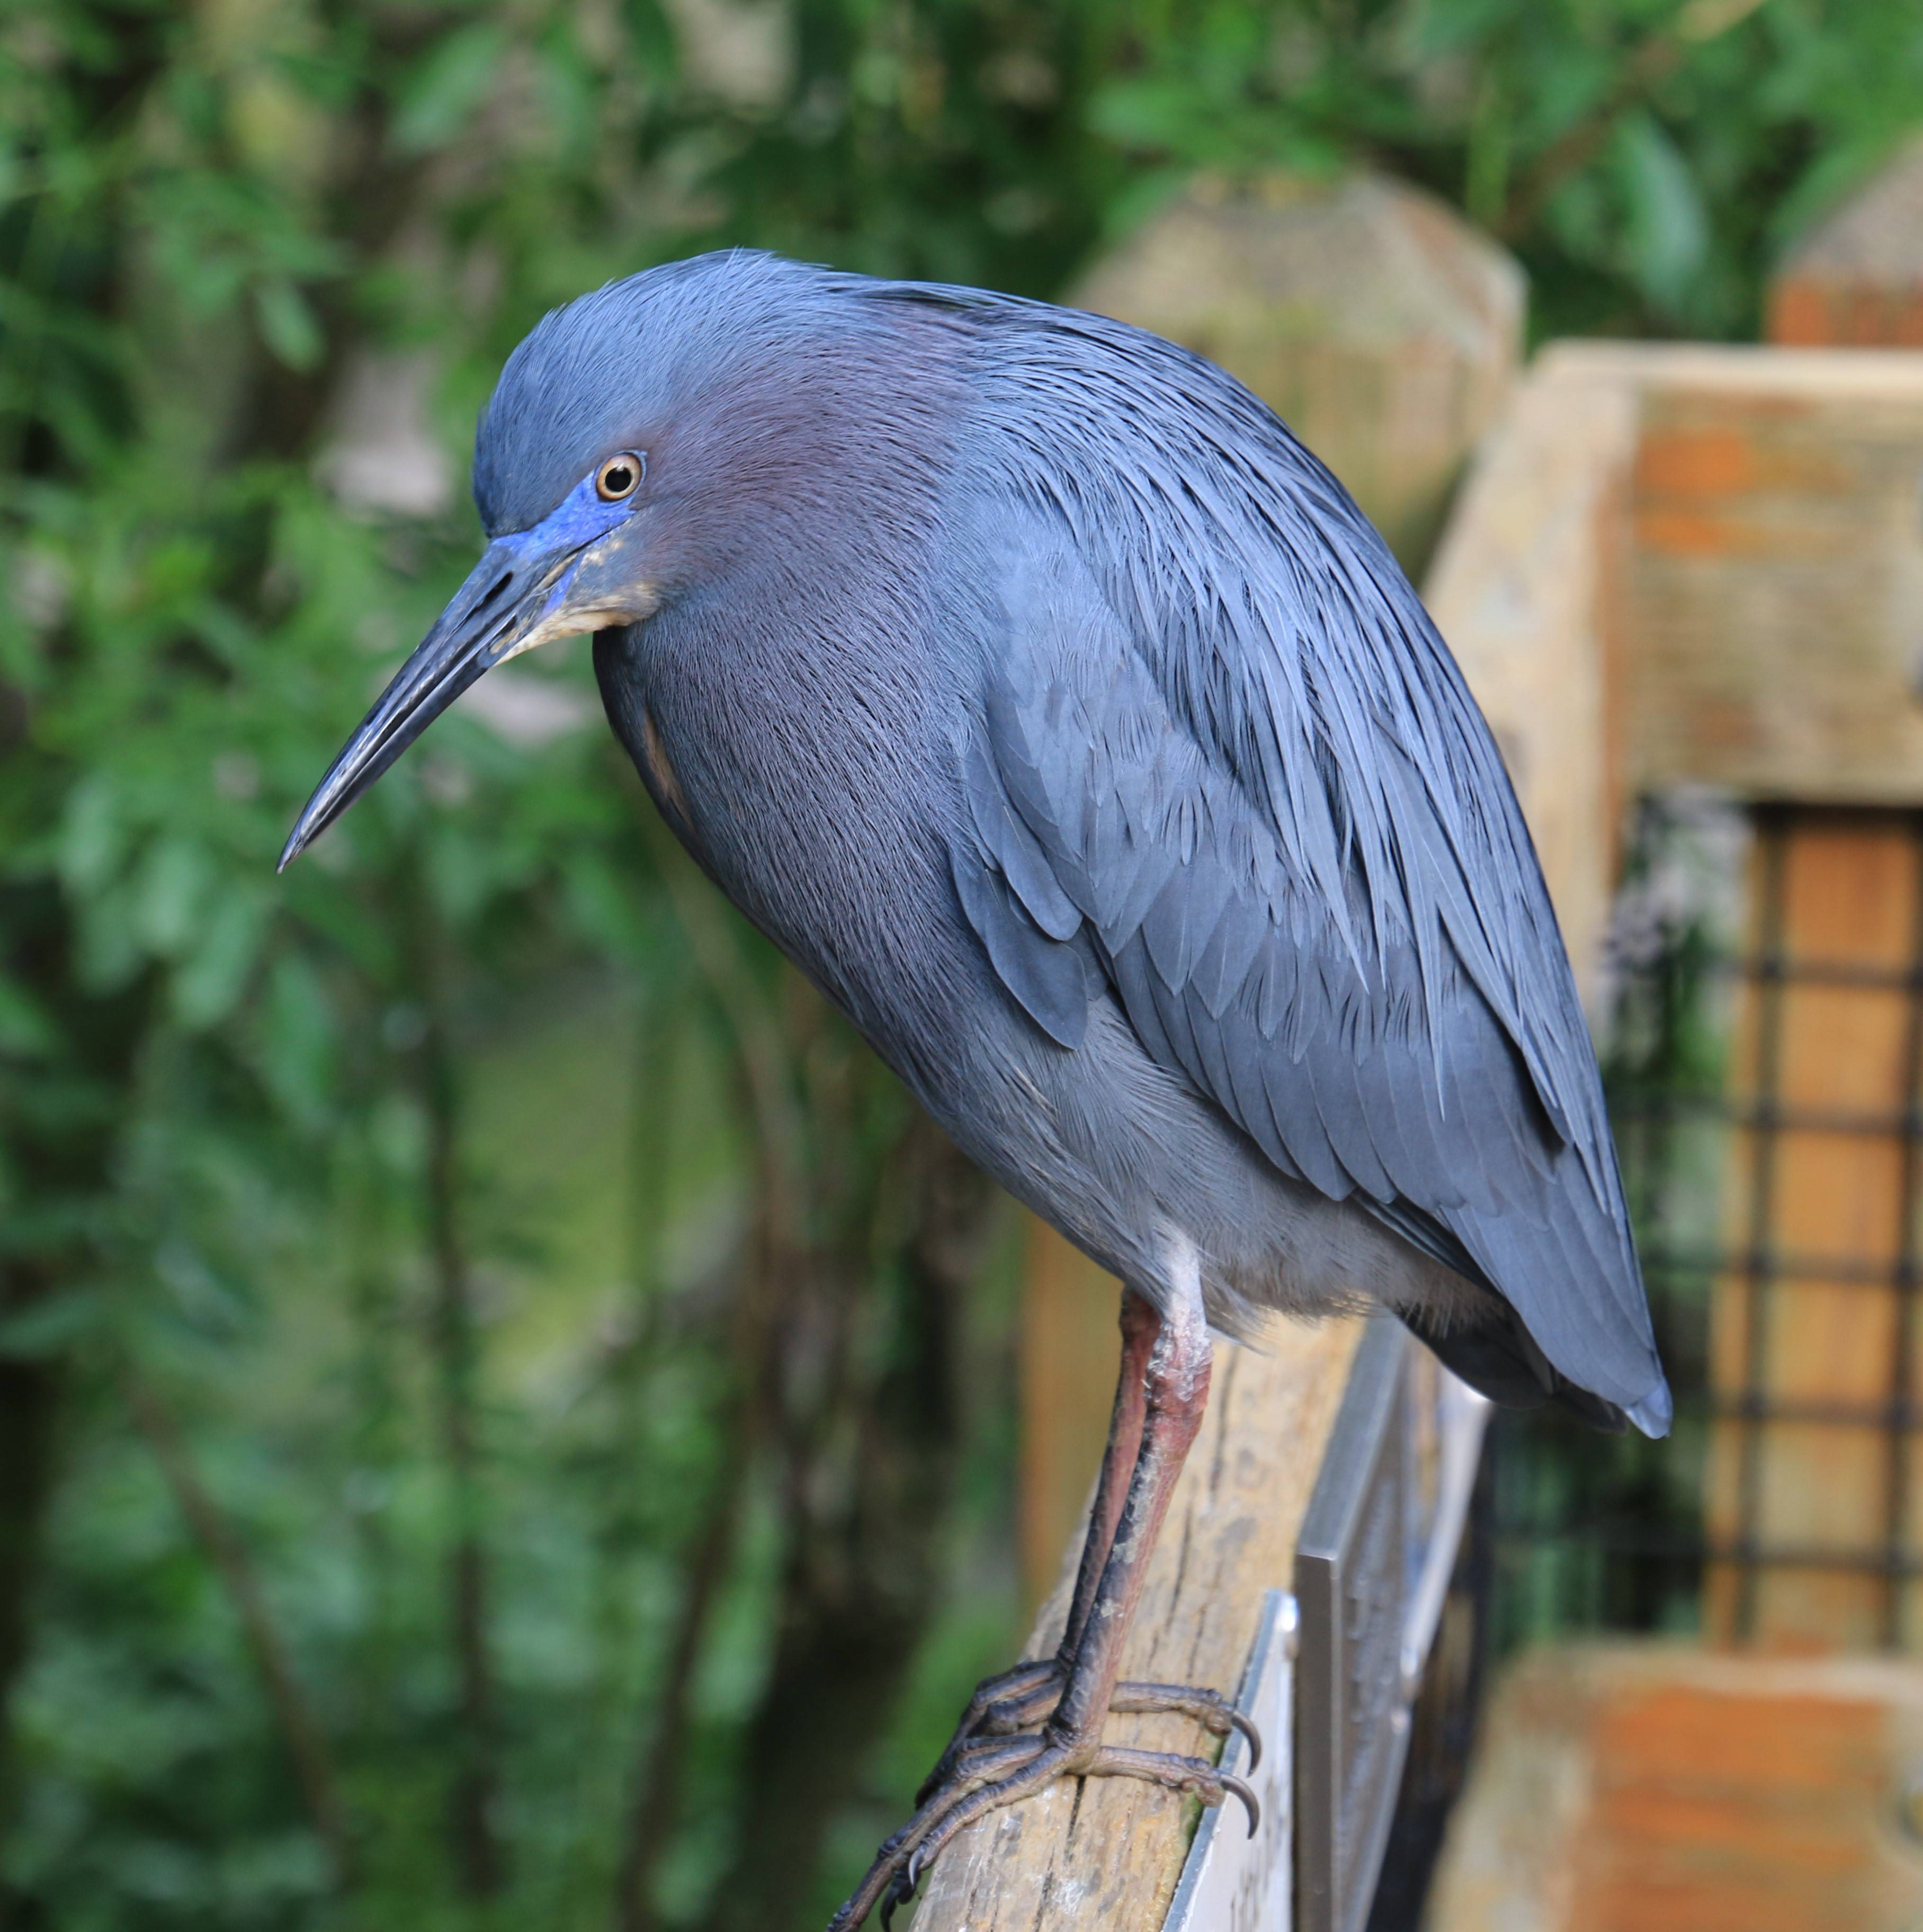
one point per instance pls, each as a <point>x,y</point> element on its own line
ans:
<point>1063,718</point>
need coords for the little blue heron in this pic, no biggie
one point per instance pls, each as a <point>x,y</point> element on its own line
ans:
<point>1061,717</point>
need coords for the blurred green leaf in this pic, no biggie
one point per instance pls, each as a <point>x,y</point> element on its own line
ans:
<point>298,1040</point>
<point>214,973</point>
<point>171,887</point>
<point>1668,234</point>
<point>93,833</point>
<point>27,1030</point>
<point>288,325</point>
<point>451,81</point>
<point>51,1324</point>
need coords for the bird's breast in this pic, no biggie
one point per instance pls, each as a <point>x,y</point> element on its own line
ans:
<point>819,796</point>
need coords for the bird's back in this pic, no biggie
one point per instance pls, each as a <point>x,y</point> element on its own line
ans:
<point>1223,759</point>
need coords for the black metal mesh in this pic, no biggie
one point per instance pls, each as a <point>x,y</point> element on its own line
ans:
<point>1592,1532</point>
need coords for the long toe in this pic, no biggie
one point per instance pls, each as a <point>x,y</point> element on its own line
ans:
<point>1025,1697</point>
<point>1025,1680</point>
<point>1194,1775</point>
<point>981,1774</point>
<point>1011,1701</point>
<point>1209,1708</point>
<point>981,1763</point>
<point>906,1857</point>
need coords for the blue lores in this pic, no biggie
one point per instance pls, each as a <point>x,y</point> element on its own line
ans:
<point>1061,717</point>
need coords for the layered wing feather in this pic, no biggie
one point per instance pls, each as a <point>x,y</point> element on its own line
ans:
<point>1222,759</point>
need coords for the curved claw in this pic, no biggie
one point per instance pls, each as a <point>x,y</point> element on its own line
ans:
<point>900,1889</point>
<point>996,1762</point>
<point>1230,1782</point>
<point>1194,1775</point>
<point>981,1770</point>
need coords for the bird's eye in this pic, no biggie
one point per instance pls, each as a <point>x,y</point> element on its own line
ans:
<point>619,477</point>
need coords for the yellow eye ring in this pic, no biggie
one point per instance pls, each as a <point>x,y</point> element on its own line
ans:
<point>619,477</point>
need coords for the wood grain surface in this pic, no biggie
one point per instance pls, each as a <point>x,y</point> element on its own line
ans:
<point>1107,1852</point>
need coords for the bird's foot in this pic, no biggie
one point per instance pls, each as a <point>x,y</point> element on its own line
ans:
<point>1015,1700</point>
<point>980,1773</point>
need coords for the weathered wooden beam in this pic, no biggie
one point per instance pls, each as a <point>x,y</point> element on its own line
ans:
<point>1108,1852</point>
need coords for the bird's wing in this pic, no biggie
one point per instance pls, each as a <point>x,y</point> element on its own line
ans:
<point>1264,805</point>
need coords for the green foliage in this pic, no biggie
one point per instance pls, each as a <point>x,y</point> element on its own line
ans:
<point>1647,161</point>
<point>273,1154</point>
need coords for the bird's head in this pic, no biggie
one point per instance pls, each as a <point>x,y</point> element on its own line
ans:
<point>640,442</point>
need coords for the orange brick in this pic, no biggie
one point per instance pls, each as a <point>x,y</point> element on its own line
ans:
<point>1639,1902</point>
<point>1707,462</point>
<point>1734,1835</point>
<point>1807,313</point>
<point>1799,315</point>
<point>1691,533</point>
<point>1682,1735</point>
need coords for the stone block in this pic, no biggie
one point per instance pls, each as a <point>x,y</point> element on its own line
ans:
<point>1380,326</point>
<point>1855,279</point>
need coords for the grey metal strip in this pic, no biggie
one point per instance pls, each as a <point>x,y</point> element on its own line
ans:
<point>1353,1583</point>
<point>1231,1881</point>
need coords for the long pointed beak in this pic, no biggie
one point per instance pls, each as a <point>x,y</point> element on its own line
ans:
<point>515,597</point>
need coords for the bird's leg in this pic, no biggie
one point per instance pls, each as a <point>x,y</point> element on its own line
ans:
<point>1142,1326</point>
<point>1180,1365</point>
<point>987,1771</point>
<point>1026,1694</point>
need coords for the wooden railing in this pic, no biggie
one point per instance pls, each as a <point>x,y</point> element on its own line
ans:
<point>1302,1571</point>
<point>1108,1852</point>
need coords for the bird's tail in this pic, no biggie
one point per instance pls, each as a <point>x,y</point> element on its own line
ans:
<point>1499,1357</point>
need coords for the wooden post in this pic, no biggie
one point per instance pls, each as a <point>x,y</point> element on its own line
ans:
<point>1653,1787</point>
<point>1521,590</point>
<point>1693,565</point>
<point>1107,1852</point>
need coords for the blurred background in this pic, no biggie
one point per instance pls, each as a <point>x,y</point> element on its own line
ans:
<point>507,1414</point>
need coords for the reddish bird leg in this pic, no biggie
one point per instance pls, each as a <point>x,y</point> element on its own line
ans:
<point>1159,1398</point>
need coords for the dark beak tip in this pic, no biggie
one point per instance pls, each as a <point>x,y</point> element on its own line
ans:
<point>464,643</point>
<point>312,821</point>
<point>298,840</point>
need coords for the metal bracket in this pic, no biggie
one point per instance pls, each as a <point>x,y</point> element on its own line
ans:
<point>1372,1569</point>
